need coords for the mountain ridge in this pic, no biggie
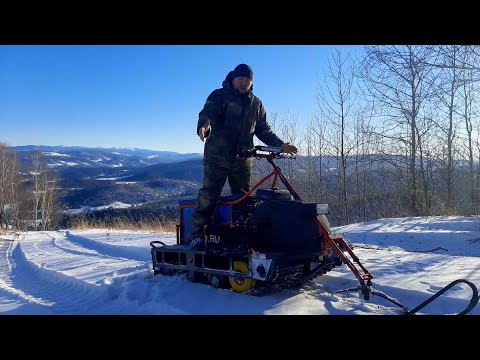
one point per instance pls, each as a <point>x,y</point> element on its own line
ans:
<point>77,156</point>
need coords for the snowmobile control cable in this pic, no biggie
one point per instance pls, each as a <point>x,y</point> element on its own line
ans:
<point>473,301</point>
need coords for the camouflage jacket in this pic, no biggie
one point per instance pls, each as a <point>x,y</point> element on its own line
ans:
<point>234,119</point>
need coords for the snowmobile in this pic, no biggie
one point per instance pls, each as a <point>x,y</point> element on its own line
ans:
<point>267,238</point>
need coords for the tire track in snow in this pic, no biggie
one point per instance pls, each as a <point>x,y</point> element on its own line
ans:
<point>127,252</point>
<point>63,277</point>
<point>13,299</point>
<point>59,240</point>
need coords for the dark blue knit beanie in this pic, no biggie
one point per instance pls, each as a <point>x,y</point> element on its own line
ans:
<point>243,70</point>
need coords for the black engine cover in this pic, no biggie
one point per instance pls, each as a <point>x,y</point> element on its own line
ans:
<point>222,239</point>
<point>288,226</point>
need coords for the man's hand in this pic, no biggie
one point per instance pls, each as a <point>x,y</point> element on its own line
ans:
<point>204,131</point>
<point>289,149</point>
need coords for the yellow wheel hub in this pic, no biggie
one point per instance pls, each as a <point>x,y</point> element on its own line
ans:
<point>241,285</point>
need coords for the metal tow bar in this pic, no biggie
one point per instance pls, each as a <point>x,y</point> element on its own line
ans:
<point>473,301</point>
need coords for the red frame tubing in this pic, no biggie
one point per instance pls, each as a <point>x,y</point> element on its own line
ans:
<point>180,207</point>
<point>335,242</point>
<point>273,173</point>
<point>277,173</point>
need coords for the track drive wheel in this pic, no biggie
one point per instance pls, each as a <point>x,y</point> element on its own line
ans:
<point>193,276</point>
<point>241,285</point>
<point>217,281</point>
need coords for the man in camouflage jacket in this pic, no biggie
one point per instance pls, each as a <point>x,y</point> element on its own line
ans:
<point>230,118</point>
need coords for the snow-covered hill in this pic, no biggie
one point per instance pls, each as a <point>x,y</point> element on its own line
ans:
<point>93,157</point>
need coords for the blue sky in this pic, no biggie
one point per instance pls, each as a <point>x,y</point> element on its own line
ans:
<point>146,96</point>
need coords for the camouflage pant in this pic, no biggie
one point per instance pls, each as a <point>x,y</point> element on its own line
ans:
<point>214,178</point>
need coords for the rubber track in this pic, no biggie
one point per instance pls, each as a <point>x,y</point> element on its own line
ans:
<point>290,277</point>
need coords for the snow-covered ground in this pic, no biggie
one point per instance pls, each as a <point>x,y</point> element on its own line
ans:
<point>109,272</point>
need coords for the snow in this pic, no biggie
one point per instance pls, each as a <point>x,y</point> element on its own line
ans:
<point>87,208</point>
<point>113,178</point>
<point>109,272</point>
<point>63,163</point>
<point>51,153</point>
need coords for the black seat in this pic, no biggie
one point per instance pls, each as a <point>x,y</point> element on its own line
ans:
<point>273,194</point>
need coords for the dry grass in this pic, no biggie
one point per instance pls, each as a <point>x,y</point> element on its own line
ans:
<point>118,223</point>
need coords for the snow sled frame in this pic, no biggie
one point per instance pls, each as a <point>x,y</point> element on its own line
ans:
<point>246,263</point>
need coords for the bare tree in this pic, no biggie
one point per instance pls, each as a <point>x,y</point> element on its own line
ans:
<point>319,128</point>
<point>15,192</point>
<point>37,167</point>
<point>470,114</point>
<point>9,185</point>
<point>49,208</point>
<point>365,142</point>
<point>477,148</point>
<point>308,180</point>
<point>335,100</point>
<point>44,205</point>
<point>314,149</point>
<point>451,82</point>
<point>3,181</point>
<point>397,79</point>
<point>289,133</point>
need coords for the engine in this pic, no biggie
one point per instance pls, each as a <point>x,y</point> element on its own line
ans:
<point>270,221</point>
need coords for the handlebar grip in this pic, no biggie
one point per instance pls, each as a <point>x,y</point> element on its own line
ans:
<point>246,153</point>
<point>262,151</point>
<point>272,149</point>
